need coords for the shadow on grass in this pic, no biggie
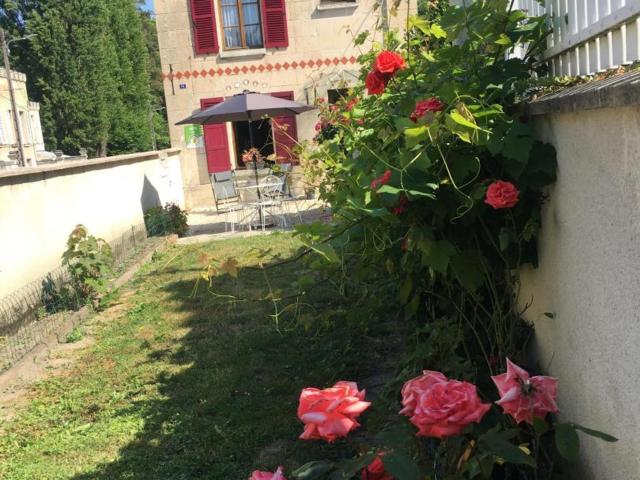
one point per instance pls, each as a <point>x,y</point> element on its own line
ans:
<point>227,390</point>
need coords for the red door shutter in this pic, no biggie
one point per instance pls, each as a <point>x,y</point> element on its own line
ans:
<point>205,39</point>
<point>285,132</point>
<point>216,143</point>
<point>274,23</point>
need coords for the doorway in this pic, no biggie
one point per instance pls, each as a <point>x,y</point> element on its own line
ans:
<point>262,138</point>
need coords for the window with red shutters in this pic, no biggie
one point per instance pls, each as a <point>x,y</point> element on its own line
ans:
<point>274,20</point>
<point>205,38</point>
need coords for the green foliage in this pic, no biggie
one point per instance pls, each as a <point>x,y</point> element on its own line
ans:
<point>75,335</point>
<point>167,220</point>
<point>88,260</point>
<point>88,66</point>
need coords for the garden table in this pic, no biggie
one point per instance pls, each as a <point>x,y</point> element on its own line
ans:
<point>266,201</point>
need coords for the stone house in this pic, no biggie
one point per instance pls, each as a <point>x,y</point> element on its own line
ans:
<point>29,120</point>
<point>295,49</point>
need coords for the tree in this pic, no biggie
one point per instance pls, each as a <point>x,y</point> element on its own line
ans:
<point>158,104</point>
<point>89,68</point>
<point>131,109</point>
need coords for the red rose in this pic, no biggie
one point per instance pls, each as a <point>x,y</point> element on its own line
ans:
<point>425,106</point>
<point>501,194</point>
<point>376,82</point>
<point>389,62</point>
<point>401,206</point>
<point>383,179</point>
<point>375,470</point>
<point>440,407</point>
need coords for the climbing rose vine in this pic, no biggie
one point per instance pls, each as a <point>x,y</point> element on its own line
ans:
<point>436,182</point>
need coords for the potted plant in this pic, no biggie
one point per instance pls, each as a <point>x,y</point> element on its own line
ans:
<point>252,158</point>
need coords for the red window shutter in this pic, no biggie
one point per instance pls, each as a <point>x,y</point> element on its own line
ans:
<point>216,144</point>
<point>274,23</point>
<point>285,132</point>
<point>205,38</point>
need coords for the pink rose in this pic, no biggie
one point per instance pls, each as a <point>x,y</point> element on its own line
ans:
<point>425,106</point>
<point>440,407</point>
<point>389,62</point>
<point>375,470</point>
<point>383,179</point>
<point>524,397</point>
<point>501,194</point>
<point>331,413</point>
<point>376,82</point>
<point>277,475</point>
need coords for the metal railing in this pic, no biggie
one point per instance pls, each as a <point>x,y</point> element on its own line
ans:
<point>589,36</point>
<point>31,314</point>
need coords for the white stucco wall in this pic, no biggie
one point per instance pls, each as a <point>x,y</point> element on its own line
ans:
<point>589,276</point>
<point>40,206</point>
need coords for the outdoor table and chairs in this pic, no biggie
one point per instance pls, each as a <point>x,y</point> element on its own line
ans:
<point>255,206</point>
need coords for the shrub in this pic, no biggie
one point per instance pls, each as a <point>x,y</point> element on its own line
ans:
<point>88,260</point>
<point>167,220</point>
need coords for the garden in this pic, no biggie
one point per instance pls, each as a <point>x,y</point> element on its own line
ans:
<point>389,343</point>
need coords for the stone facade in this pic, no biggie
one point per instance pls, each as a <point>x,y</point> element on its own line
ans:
<point>320,56</point>
<point>29,119</point>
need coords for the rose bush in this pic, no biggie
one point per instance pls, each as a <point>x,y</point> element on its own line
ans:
<point>436,183</point>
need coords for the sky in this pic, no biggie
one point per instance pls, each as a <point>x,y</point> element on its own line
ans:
<point>149,4</point>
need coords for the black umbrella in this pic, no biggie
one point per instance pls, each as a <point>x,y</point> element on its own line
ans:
<point>247,107</point>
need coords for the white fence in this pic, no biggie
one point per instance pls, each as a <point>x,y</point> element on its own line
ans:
<point>589,36</point>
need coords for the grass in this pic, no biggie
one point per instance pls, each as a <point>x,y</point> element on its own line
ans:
<point>183,383</point>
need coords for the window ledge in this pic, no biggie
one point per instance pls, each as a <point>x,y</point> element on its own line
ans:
<point>328,5</point>
<point>243,53</point>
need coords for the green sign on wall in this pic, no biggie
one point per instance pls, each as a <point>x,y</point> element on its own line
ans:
<point>193,136</point>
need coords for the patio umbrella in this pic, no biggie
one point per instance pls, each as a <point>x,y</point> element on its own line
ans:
<point>247,107</point>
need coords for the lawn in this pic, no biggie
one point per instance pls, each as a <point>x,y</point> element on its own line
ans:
<point>187,381</point>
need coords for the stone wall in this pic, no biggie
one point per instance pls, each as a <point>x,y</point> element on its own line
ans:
<point>40,206</point>
<point>588,280</point>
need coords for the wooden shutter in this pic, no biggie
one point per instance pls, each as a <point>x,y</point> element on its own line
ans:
<point>216,143</point>
<point>205,38</point>
<point>285,133</point>
<point>274,23</point>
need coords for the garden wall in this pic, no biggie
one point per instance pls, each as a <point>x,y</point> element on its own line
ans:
<point>40,206</point>
<point>589,276</point>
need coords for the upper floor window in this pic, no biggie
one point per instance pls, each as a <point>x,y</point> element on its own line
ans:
<point>244,24</point>
<point>241,23</point>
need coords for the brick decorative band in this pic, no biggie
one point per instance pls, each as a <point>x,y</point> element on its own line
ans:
<point>228,71</point>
